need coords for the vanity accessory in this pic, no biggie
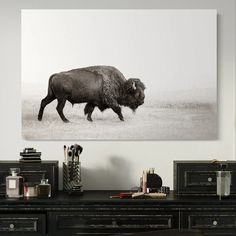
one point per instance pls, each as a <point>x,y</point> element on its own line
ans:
<point>14,187</point>
<point>30,189</point>
<point>44,189</point>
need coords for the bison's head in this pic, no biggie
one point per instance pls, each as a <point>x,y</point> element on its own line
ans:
<point>133,93</point>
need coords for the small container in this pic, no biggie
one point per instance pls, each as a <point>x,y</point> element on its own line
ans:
<point>151,170</point>
<point>30,190</point>
<point>144,188</point>
<point>72,178</point>
<point>223,183</point>
<point>44,189</point>
<point>14,184</point>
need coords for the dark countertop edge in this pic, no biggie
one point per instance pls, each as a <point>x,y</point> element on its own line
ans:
<point>103,198</point>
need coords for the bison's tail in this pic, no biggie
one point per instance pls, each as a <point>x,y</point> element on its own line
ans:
<point>50,90</point>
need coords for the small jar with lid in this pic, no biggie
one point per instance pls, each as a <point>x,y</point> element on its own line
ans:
<point>44,189</point>
<point>30,190</point>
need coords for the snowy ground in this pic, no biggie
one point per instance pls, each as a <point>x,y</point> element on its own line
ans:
<point>152,121</point>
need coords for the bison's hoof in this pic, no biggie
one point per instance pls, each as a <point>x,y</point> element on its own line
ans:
<point>39,118</point>
<point>89,119</point>
<point>122,118</point>
<point>66,121</point>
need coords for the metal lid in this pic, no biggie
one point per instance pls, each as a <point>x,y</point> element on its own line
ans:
<point>44,181</point>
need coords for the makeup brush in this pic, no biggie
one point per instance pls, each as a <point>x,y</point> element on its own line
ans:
<point>69,152</point>
<point>65,154</point>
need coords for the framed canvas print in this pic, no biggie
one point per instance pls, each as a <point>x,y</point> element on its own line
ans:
<point>119,74</point>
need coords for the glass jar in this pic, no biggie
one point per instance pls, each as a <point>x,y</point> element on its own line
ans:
<point>30,190</point>
<point>44,189</point>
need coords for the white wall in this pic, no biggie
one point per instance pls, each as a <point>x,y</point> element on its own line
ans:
<point>117,165</point>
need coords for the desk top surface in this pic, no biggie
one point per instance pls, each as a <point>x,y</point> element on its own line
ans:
<point>103,197</point>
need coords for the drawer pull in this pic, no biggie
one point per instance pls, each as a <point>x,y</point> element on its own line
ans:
<point>209,179</point>
<point>11,226</point>
<point>214,222</point>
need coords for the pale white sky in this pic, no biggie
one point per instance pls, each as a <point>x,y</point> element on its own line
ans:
<point>169,50</point>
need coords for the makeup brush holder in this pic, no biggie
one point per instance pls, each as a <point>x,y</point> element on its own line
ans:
<point>72,178</point>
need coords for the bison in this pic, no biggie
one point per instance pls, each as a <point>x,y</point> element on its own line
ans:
<point>98,86</point>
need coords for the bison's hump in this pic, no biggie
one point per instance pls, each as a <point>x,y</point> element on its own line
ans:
<point>107,72</point>
<point>112,81</point>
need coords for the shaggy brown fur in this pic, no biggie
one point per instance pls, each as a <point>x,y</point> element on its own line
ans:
<point>101,86</point>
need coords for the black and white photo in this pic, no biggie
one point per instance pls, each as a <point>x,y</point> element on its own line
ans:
<point>119,74</point>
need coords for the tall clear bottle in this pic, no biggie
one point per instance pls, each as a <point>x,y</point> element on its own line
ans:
<point>14,184</point>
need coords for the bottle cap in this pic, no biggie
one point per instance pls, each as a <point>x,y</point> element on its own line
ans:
<point>151,170</point>
<point>14,171</point>
<point>44,181</point>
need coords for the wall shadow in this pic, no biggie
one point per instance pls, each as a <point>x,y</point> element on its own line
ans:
<point>115,176</point>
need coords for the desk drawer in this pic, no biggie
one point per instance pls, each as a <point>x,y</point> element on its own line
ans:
<point>212,221</point>
<point>108,222</point>
<point>215,223</point>
<point>199,177</point>
<point>17,224</point>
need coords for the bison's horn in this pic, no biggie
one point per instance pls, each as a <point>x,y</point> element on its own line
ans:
<point>134,86</point>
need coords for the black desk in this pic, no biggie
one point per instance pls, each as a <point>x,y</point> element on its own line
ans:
<point>95,213</point>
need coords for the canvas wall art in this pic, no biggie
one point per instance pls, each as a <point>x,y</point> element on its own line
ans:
<point>119,74</point>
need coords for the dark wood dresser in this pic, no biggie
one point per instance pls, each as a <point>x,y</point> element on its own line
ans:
<point>95,213</point>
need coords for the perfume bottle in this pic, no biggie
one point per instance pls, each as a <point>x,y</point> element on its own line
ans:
<point>44,189</point>
<point>14,184</point>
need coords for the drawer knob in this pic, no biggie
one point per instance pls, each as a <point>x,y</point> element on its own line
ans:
<point>12,226</point>
<point>214,222</point>
<point>209,179</point>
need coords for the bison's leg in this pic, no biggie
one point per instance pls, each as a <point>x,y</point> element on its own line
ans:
<point>88,110</point>
<point>117,110</point>
<point>60,105</point>
<point>44,103</point>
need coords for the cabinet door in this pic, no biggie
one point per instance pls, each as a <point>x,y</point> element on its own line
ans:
<point>22,224</point>
<point>212,223</point>
<point>108,223</point>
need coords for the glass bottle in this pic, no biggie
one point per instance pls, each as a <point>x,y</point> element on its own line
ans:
<point>44,189</point>
<point>223,183</point>
<point>14,184</point>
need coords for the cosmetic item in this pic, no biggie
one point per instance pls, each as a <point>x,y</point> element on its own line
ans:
<point>151,170</point>
<point>123,195</point>
<point>144,188</point>
<point>154,181</point>
<point>223,181</point>
<point>78,151</point>
<point>31,172</point>
<point>72,170</point>
<point>44,189</point>
<point>148,195</point>
<point>30,189</point>
<point>69,154</point>
<point>72,178</point>
<point>65,153</point>
<point>164,189</point>
<point>14,184</point>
